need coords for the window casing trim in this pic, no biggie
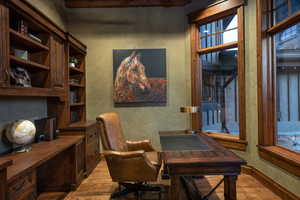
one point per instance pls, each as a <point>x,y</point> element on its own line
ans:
<point>267,148</point>
<point>205,16</point>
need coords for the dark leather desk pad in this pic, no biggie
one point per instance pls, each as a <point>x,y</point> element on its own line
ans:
<point>182,142</point>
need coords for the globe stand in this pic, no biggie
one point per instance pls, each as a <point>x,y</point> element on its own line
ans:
<point>22,148</point>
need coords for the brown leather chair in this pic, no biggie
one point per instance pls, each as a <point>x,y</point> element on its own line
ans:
<point>130,163</point>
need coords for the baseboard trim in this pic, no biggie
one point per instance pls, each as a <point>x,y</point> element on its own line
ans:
<point>269,183</point>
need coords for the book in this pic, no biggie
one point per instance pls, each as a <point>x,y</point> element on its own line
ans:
<point>35,38</point>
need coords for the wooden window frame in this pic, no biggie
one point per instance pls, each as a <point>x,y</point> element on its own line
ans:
<point>209,14</point>
<point>280,156</point>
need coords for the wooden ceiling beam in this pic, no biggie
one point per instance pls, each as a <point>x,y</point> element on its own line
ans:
<point>123,3</point>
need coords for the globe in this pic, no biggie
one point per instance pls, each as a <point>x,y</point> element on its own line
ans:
<point>21,132</point>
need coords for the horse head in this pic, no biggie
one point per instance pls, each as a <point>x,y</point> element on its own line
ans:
<point>136,75</point>
<point>131,79</point>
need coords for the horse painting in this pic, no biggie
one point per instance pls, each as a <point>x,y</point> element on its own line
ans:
<point>132,85</point>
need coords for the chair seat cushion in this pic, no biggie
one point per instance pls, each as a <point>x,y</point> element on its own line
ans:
<point>154,158</point>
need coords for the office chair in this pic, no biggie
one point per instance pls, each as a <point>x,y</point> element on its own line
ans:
<point>131,163</point>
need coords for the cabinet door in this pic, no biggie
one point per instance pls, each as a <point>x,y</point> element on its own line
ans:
<point>92,150</point>
<point>57,62</point>
<point>80,162</point>
<point>4,46</point>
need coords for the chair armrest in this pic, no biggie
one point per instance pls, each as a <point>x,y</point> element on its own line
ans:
<point>134,145</point>
<point>130,166</point>
<point>124,155</point>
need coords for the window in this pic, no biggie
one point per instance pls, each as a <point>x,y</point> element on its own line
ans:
<point>220,92</point>
<point>279,82</point>
<point>218,72</point>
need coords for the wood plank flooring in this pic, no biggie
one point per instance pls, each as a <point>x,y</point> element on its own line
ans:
<point>99,186</point>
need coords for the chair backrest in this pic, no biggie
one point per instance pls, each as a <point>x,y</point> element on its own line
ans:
<point>111,132</point>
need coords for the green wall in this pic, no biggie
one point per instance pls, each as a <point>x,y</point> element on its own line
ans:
<point>103,30</point>
<point>54,9</point>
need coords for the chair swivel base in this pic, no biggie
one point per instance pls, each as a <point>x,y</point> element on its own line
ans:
<point>135,188</point>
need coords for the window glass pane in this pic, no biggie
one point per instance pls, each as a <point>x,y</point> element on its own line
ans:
<point>284,8</point>
<point>220,92</point>
<point>287,45</point>
<point>219,32</point>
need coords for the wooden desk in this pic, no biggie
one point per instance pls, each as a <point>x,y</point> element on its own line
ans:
<point>54,166</point>
<point>213,159</point>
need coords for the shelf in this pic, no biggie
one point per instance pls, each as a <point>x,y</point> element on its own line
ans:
<point>27,63</point>
<point>26,41</point>
<point>76,85</point>
<point>77,104</point>
<point>74,69</point>
<point>31,91</point>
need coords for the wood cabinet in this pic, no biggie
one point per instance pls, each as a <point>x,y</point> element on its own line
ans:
<point>92,142</point>
<point>48,51</point>
<point>80,162</point>
<point>23,187</point>
<point>3,177</point>
<point>58,62</point>
<point>29,40</point>
<point>4,44</point>
<point>53,167</point>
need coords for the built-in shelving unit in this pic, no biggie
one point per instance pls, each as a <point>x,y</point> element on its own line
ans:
<point>27,48</point>
<point>76,80</point>
<point>27,63</point>
<point>25,41</point>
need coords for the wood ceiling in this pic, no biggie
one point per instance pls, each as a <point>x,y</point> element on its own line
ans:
<point>123,3</point>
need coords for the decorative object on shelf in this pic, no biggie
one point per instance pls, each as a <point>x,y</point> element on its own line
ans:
<point>20,77</point>
<point>140,77</point>
<point>74,116</point>
<point>22,26</point>
<point>35,38</point>
<point>23,54</point>
<point>46,129</point>
<point>73,62</point>
<point>21,133</point>
<point>76,81</point>
<point>73,97</point>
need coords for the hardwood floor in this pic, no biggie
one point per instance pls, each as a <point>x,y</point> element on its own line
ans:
<point>98,186</point>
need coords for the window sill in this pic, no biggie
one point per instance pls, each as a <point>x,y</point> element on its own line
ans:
<point>229,141</point>
<point>282,157</point>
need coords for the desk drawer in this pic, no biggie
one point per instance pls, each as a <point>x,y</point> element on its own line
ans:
<point>20,187</point>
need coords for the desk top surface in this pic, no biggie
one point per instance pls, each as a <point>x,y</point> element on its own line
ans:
<point>188,152</point>
<point>40,153</point>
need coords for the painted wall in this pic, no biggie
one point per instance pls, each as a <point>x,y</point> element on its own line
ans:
<point>54,9</point>
<point>103,30</point>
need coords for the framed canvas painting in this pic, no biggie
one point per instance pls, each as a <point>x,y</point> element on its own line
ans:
<point>140,77</point>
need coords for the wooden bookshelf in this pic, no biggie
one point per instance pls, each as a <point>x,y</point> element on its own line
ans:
<point>27,63</point>
<point>76,81</point>
<point>46,59</point>
<point>77,104</point>
<point>26,41</point>
<point>76,85</point>
<point>31,92</point>
<point>75,70</point>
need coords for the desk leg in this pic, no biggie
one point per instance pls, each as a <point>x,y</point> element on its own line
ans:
<point>230,187</point>
<point>175,188</point>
